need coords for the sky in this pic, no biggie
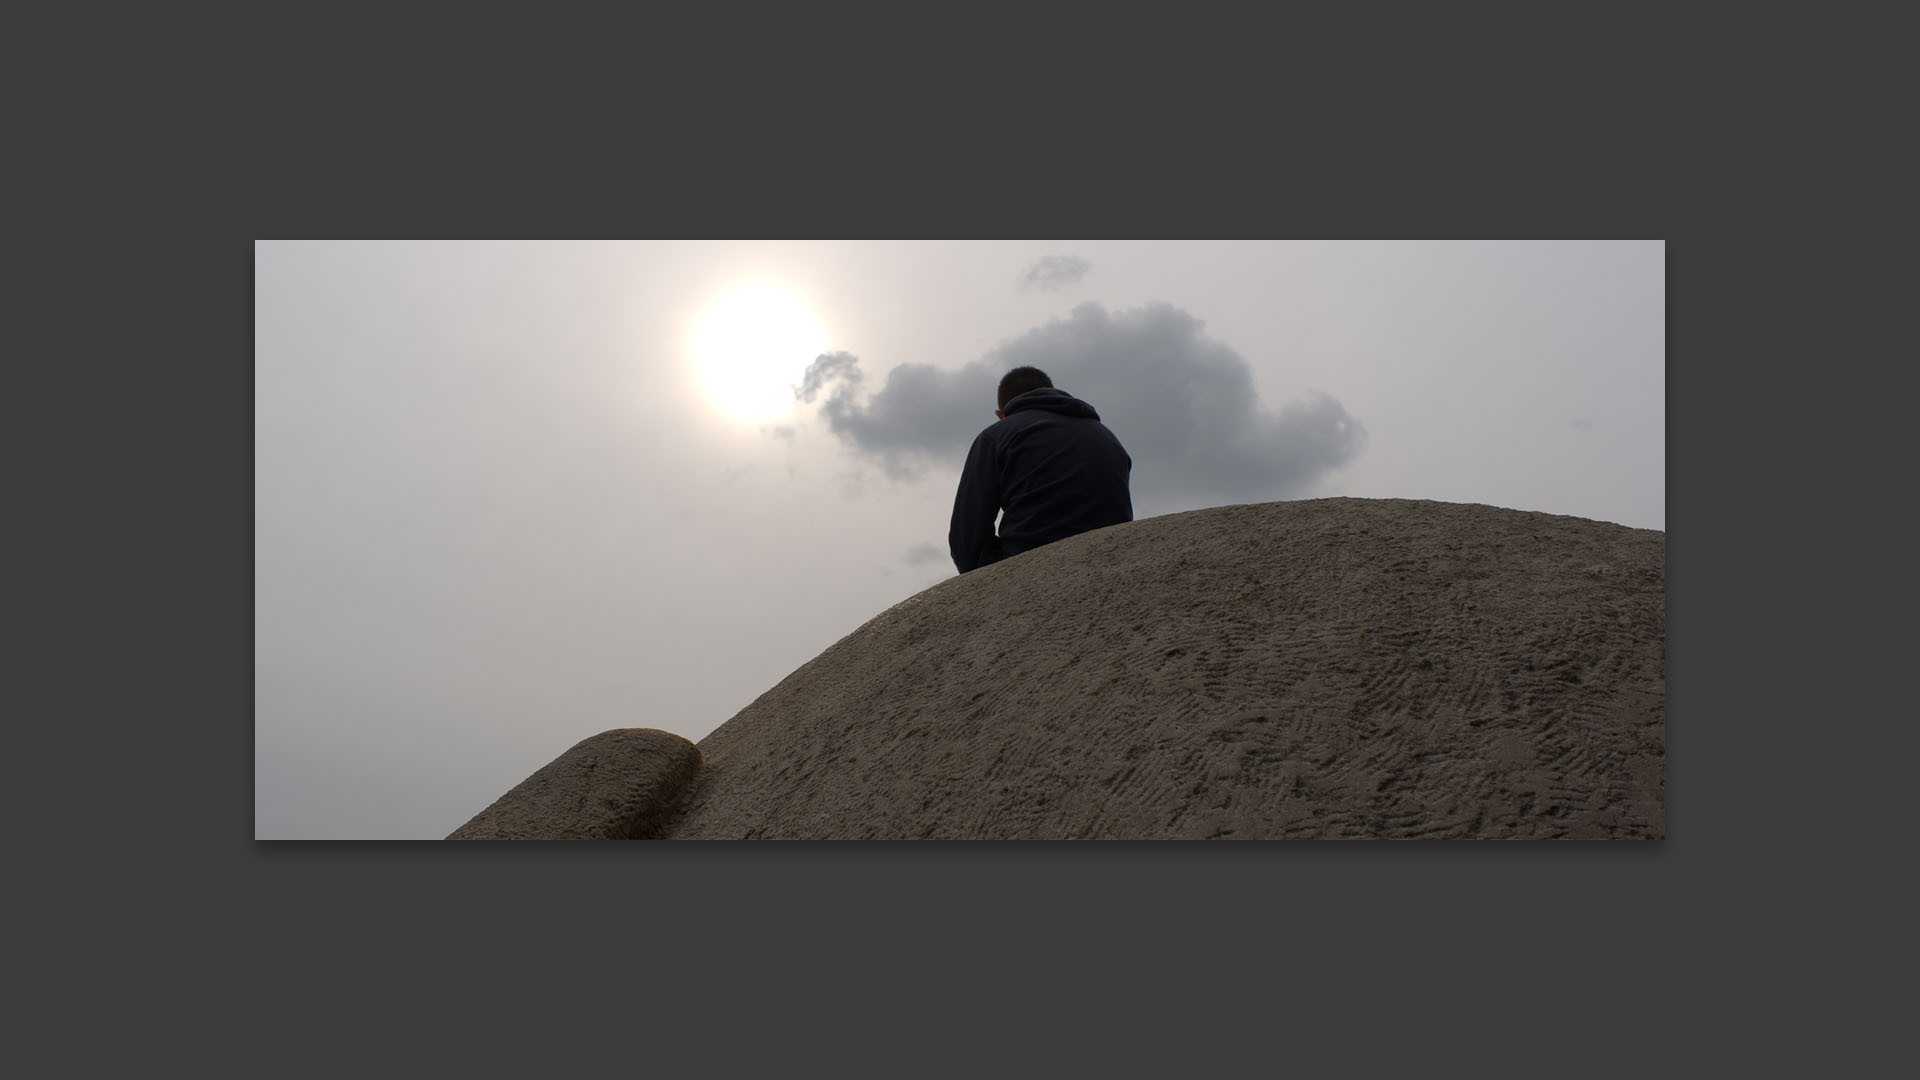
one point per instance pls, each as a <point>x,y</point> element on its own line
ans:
<point>508,495</point>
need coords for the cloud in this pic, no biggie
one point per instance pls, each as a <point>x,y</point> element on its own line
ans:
<point>1183,404</point>
<point>1055,272</point>
<point>922,554</point>
<point>921,414</point>
<point>828,368</point>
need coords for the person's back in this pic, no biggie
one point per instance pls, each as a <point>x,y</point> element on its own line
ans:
<point>1049,462</point>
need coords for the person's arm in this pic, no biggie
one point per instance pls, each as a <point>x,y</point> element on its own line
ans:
<point>970,537</point>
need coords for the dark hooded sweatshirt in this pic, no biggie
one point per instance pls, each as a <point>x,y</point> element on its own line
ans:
<point>1052,466</point>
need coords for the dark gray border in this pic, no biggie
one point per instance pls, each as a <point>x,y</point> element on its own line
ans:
<point>1505,948</point>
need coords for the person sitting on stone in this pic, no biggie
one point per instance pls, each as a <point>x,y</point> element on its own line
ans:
<point>1048,463</point>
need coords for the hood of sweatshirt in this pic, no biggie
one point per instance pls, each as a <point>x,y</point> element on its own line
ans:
<point>1051,400</point>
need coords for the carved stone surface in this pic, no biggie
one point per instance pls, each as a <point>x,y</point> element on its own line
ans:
<point>1317,668</point>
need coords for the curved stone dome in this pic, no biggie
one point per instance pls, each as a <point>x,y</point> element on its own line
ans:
<point>1317,668</point>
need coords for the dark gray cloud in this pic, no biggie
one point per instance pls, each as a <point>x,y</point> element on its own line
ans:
<point>1056,272</point>
<point>921,414</point>
<point>1183,404</point>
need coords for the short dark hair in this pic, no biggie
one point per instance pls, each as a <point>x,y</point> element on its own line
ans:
<point>1019,381</point>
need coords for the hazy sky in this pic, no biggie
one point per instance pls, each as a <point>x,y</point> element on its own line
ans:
<point>509,495</point>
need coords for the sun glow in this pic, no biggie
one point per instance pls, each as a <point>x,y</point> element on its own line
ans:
<point>752,348</point>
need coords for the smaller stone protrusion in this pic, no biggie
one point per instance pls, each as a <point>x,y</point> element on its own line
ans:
<point>616,785</point>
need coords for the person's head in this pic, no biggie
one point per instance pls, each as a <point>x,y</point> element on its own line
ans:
<point>1017,382</point>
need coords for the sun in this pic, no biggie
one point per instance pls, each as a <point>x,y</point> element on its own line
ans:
<point>752,348</point>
